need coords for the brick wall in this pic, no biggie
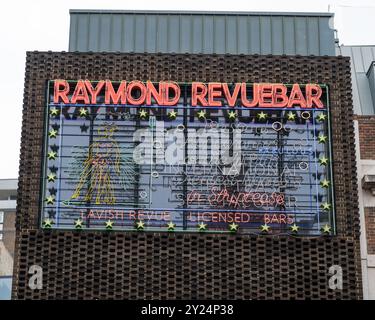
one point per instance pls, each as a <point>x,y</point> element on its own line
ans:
<point>370,229</point>
<point>366,125</point>
<point>120,265</point>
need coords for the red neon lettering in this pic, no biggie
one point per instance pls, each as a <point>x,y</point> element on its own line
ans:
<point>198,93</point>
<point>296,97</point>
<point>282,218</point>
<point>313,94</point>
<point>152,92</point>
<point>110,215</point>
<point>140,215</point>
<point>132,215</point>
<point>119,214</point>
<point>168,94</point>
<point>279,98</point>
<point>267,218</point>
<point>290,219</point>
<point>94,91</point>
<point>265,95</point>
<point>61,92</point>
<point>91,215</point>
<point>171,89</point>
<point>232,99</point>
<point>245,101</point>
<point>134,85</point>
<point>80,93</point>
<point>112,95</point>
<point>214,91</point>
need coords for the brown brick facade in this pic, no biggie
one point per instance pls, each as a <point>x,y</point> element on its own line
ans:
<point>370,229</point>
<point>366,126</point>
<point>194,266</point>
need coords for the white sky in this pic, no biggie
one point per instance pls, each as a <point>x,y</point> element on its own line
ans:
<point>44,25</point>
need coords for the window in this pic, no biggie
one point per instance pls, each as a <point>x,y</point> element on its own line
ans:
<point>5,288</point>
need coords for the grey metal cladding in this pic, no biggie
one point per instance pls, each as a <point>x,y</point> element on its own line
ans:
<point>201,32</point>
<point>361,58</point>
<point>371,79</point>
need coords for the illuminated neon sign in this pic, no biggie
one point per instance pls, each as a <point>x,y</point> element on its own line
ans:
<point>190,157</point>
<point>168,94</point>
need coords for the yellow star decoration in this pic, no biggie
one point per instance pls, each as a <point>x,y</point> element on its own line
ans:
<point>140,225</point>
<point>83,112</point>
<point>78,224</point>
<point>50,200</point>
<point>262,116</point>
<point>322,139</point>
<point>202,226</point>
<point>143,114</point>
<point>52,155</point>
<point>54,111</point>
<point>233,227</point>
<point>109,225</point>
<point>232,115</point>
<point>294,228</point>
<point>326,229</point>
<point>323,161</point>
<point>201,114</point>
<point>265,227</point>
<point>321,117</point>
<point>325,183</point>
<point>171,226</point>
<point>172,114</point>
<point>47,223</point>
<point>51,177</point>
<point>52,133</point>
<point>326,206</point>
<point>291,116</point>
